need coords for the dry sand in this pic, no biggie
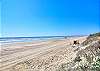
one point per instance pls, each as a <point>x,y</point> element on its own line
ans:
<point>37,56</point>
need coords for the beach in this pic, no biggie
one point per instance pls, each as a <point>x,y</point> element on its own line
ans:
<point>44,55</point>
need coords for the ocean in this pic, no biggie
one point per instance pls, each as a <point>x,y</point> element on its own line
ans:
<point>7,40</point>
<point>27,39</point>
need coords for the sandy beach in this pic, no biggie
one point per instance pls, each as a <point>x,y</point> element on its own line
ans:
<point>37,56</point>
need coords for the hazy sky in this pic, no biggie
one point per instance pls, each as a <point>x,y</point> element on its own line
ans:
<point>48,17</point>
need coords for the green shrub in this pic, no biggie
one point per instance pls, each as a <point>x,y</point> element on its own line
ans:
<point>96,34</point>
<point>96,65</point>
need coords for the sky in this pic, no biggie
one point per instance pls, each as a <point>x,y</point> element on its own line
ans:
<point>19,18</point>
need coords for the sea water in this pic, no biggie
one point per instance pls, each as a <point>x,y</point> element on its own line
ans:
<point>7,40</point>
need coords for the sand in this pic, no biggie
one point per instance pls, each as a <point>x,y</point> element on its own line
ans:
<point>37,56</point>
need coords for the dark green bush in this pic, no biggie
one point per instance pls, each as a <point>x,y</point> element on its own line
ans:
<point>96,65</point>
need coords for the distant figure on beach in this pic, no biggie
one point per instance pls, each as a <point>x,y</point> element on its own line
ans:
<point>75,42</point>
<point>65,37</point>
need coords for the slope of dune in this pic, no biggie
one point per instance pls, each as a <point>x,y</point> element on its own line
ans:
<point>87,56</point>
